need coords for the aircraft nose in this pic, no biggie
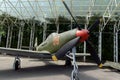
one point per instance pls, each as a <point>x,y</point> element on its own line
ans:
<point>83,34</point>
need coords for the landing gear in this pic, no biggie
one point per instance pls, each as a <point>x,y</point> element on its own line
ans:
<point>16,64</point>
<point>75,71</point>
<point>68,62</point>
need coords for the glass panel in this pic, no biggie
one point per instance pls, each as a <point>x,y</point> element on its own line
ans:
<point>51,8</point>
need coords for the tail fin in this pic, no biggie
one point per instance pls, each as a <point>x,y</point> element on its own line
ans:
<point>36,44</point>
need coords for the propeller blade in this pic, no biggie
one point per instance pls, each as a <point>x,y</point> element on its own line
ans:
<point>97,22</point>
<point>71,14</point>
<point>93,53</point>
<point>67,47</point>
<point>90,48</point>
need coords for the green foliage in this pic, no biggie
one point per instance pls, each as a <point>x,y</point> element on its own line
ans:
<point>62,21</point>
<point>1,30</point>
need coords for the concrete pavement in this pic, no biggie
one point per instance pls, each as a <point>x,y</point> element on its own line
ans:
<point>49,70</point>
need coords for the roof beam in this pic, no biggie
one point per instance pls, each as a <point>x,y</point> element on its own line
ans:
<point>110,10</point>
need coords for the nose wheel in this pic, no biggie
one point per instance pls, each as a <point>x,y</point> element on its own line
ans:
<point>16,64</point>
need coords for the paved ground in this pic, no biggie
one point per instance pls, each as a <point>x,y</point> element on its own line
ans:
<point>45,70</point>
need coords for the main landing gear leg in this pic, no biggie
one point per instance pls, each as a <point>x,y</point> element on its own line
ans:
<point>16,64</point>
<point>68,62</point>
<point>75,71</point>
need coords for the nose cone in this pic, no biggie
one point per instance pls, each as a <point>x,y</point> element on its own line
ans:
<point>83,34</point>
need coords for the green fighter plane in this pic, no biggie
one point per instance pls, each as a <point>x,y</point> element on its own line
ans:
<point>56,46</point>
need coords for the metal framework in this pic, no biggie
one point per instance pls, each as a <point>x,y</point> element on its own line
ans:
<point>20,35</point>
<point>41,9</point>
<point>116,30</point>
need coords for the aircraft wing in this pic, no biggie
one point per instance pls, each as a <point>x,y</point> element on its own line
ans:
<point>25,53</point>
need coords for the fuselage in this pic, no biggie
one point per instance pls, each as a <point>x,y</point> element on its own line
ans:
<point>55,41</point>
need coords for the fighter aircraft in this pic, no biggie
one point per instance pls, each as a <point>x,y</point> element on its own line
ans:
<point>56,46</point>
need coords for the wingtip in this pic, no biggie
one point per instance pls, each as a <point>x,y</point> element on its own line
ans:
<point>101,65</point>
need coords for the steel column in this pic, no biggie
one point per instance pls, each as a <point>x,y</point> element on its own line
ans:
<point>44,31</point>
<point>9,36</point>
<point>116,46</point>
<point>20,35</point>
<point>100,42</point>
<point>115,42</point>
<point>31,45</point>
<point>114,39</point>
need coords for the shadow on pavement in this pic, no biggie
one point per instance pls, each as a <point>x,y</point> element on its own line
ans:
<point>48,70</point>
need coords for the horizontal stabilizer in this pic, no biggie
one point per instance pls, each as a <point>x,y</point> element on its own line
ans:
<point>112,64</point>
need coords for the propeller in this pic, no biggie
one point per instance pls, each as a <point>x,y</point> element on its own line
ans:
<point>97,22</point>
<point>78,26</point>
<point>90,47</point>
<point>63,50</point>
<point>93,53</point>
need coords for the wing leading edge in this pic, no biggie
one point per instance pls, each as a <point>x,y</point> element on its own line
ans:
<point>25,53</point>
